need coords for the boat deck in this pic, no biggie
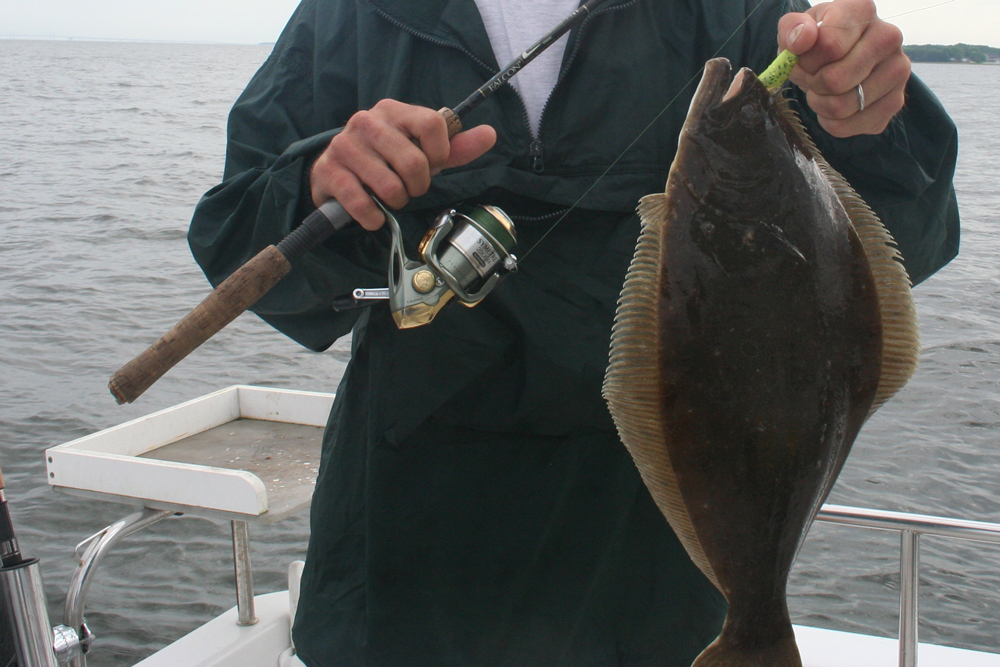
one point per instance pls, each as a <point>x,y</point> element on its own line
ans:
<point>250,454</point>
<point>222,643</point>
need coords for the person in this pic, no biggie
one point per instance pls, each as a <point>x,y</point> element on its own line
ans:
<point>475,506</point>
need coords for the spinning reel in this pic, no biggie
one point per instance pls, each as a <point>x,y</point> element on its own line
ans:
<point>463,256</point>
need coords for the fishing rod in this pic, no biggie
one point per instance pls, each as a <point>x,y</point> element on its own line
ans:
<point>479,249</point>
<point>418,291</point>
<point>10,552</point>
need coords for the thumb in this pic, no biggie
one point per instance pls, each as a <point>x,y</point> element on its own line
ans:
<point>467,146</point>
<point>797,33</point>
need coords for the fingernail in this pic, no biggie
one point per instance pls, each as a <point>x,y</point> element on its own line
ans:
<point>795,34</point>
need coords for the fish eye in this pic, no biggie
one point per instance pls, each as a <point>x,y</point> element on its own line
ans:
<point>747,111</point>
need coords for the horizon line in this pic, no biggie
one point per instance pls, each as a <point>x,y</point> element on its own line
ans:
<point>70,38</point>
<point>134,40</point>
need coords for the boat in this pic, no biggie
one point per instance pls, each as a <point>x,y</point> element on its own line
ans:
<point>195,459</point>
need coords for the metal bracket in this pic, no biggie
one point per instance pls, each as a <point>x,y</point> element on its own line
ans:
<point>89,555</point>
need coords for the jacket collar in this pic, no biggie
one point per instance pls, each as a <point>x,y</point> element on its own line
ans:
<point>456,22</point>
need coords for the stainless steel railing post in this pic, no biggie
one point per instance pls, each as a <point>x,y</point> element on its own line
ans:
<point>909,596</point>
<point>910,527</point>
<point>244,574</point>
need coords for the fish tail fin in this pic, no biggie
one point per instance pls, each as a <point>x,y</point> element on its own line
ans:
<point>777,649</point>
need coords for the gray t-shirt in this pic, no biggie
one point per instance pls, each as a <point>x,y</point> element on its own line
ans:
<point>513,26</point>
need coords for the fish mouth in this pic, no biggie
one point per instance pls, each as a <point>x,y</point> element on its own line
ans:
<point>718,87</point>
<point>719,104</point>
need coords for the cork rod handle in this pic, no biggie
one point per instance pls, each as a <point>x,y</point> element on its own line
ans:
<point>237,293</point>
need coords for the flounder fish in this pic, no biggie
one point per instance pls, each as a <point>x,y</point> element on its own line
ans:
<point>766,314</point>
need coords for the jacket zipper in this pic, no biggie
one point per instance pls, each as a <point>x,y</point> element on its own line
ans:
<point>540,218</point>
<point>537,159</point>
<point>537,147</point>
<point>458,47</point>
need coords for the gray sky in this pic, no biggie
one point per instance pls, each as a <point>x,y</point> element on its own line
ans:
<point>966,21</point>
<point>237,21</point>
<point>253,21</point>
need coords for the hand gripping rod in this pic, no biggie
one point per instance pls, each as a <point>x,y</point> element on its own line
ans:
<point>255,278</point>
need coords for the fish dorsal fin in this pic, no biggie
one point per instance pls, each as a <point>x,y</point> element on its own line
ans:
<point>632,385</point>
<point>900,331</point>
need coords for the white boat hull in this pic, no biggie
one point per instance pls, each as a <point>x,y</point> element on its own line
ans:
<point>223,643</point>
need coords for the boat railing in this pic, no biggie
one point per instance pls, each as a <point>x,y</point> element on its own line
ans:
<point>910,527</point>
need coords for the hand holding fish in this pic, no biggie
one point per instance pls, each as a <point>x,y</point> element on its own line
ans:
<point>852,67</point>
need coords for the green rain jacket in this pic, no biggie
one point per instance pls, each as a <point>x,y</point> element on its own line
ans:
<point>475,506</point>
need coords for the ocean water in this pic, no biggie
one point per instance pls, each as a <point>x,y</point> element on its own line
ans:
<point>104,150</point>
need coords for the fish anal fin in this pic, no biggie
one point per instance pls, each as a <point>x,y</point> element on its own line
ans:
<point>632,385</point>
<point>900,332</point>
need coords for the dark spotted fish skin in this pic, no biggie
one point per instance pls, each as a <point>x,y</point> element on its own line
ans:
<point>748,350</point>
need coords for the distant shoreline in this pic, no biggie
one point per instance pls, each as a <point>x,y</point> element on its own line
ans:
<point>971,54</point>
<point>962,54</point>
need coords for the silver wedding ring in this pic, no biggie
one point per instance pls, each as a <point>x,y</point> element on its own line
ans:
<point>861,98</point>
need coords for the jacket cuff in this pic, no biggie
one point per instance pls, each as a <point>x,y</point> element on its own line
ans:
<point>883,160</point>
<point>292,170</point>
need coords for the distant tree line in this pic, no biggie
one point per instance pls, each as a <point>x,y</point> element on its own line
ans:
<point>935,53</point>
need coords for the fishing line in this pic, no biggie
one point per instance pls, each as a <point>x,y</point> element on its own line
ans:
<point>675,98</point>
<point>888,18</point>
<point>642,133</point>
<point>914,11</point>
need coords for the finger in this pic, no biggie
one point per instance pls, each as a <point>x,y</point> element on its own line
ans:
<point>873,120</point>
<point>818,11</point>
<point>426,127</point>
<point>469,145</point>
<point>374,172</point>
<point>335,182</point>
<point>410,165</point>
<point>844,21</point>
<point>877,45</point>
<point>887,78</point>
<point>373,133</point>
<point>430,131</point>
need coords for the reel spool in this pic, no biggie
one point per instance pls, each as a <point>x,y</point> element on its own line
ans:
<point>464,255</point>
